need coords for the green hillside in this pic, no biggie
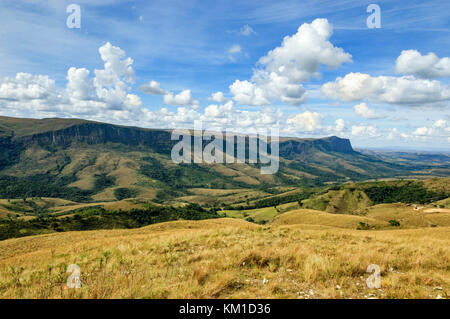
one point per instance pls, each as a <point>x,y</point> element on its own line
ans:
<point>87,161</point>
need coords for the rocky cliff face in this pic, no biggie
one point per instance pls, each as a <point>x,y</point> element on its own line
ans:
<point>294,148</point>
<point>324,159</point>
<point>99,133</point>
<point>160,140</point>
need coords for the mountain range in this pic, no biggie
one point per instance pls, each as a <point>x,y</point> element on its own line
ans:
<point>87,161</point>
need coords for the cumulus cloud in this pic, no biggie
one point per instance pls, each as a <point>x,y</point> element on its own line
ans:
<point>364,111</point>
<point>299,57</point>
<point>387,89</point>
<point>282,70</point>
<point>439,129</point>
<point>116,66</point>
<point>411,62</point>
<point>183,98</point>
<point>340,125</point>
<point>79,85</point>
<point>216,117</point>
<point>245,92</point>
<point>365,130</point>
<point>215,111</point>
<point>30,95</point>
<point>105,97</point>
<point>305,122</point>
<point>27,87</point>
<point>152,87</point>
<point>218,97</point>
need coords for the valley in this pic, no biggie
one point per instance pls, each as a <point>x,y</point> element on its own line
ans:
<point>109,199</point>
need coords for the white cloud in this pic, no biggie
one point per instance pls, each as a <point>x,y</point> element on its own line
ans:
<point>386,89</point>
<point>235,49</point>
<point>411,62</point>
<point>214,111</point>
<point>245,92</point>
<point>115,66</point>
<point>439,129</point>
<point>215,117</point>
<point>247,30</point>
<point>297,60</point>
<point>183,98</point>
<point>299,57</point>
<point>394,133</point>
<point>27,87</point>
<point>37,95</point>
<point>340,125</point>
<point>218,97</point>
<point>79,85</point>
<point>339,128</point>
<point>364,111</point>
<point>364,130</point>
<point>152,87</point>
<point>305,122</point>
<point>440,124</point>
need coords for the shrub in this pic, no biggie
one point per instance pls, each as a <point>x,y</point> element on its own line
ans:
<point>122,193</point>
<point>394,223</point>
<point>363,226</point>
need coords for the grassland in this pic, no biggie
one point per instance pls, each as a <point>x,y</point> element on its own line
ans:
<point>298,243</point>
<point>229,258</point>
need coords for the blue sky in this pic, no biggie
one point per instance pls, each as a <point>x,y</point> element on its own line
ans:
<point>187,45</point>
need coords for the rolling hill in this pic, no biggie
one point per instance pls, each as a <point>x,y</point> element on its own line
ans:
<point>230,258</point>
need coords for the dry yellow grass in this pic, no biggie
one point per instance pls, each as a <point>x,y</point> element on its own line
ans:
<point>215,192</point>
<point>287,207</point>
<point>228,258</point>
<point>247,180</point>
<point>316,217</point>
<point>438,184</point>
<point>408,216</point>
<point>259,215</point>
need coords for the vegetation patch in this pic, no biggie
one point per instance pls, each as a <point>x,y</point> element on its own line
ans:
<point>98,218</point>
<point>123,193</point>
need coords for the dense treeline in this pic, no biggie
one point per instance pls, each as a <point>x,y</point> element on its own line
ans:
<point>99,218</point>
<point>411,192</point>
<point>41,185</point>
<point>47,185</point>
<point>274,201</point>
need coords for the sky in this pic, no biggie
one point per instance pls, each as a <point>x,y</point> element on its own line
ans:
<point>311,68</point>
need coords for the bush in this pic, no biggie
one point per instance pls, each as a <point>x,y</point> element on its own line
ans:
<point>394,223</point>
<point>122,193</point>
<point>363,226</point>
